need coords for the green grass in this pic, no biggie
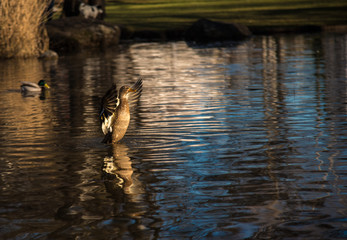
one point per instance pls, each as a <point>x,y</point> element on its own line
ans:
<point>161,15</point>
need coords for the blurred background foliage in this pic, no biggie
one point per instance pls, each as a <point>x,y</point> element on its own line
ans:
<point>178,14</point>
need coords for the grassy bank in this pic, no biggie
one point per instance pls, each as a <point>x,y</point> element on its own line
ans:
<point>162,15</point>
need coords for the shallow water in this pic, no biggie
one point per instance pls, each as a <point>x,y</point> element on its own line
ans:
<point>235,141</point>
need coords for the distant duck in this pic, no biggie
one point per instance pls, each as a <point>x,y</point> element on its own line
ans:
<point>29,87</point>
<point>115,113</point>
<point>90,11</point>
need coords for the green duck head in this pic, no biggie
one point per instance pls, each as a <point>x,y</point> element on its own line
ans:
<point>43,84</point>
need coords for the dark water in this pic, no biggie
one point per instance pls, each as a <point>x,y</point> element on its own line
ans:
<point>243,141</point>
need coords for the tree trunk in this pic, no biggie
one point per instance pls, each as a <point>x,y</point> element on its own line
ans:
<point>70,8</point>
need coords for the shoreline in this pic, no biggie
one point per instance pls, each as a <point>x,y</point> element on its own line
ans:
<point>178,34</point>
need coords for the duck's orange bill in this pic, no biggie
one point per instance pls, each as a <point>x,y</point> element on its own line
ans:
<point>131,90</point>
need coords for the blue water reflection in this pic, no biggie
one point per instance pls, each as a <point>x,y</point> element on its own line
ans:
<point>236,141</point>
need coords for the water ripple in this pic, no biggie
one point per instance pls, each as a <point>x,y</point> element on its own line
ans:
<point>242,141</point>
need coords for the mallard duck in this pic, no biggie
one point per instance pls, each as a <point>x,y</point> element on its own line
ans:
<point>34,87</point>
<point>114,113</point>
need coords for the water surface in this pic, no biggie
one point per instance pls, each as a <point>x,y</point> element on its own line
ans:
<point>234,141</point>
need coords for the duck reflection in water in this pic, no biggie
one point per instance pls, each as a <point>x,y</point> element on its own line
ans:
<point>125,189</point>
<point>117,171</point>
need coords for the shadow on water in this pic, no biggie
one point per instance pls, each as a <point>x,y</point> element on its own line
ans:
<point>241,141</point>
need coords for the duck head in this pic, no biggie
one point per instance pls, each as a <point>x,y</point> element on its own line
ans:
<point>43,84</point>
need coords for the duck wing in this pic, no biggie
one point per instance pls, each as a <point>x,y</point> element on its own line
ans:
<point>29,86</point>
<point>136,94</point>
<point>109,104</point>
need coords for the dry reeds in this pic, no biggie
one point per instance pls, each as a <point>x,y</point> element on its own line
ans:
<point>21,28</point>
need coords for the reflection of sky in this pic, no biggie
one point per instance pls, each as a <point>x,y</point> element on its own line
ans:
<point>222,123</point>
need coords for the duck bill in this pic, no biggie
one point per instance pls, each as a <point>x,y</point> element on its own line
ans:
<point>131,90</point>
<point>46,86</point>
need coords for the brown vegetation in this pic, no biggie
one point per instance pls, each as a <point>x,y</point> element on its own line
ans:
<point>21,28</point>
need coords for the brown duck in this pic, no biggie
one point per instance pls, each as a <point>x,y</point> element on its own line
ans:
<point>115,113</point>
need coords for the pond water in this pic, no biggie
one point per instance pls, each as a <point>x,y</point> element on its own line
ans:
<point>233,141</point>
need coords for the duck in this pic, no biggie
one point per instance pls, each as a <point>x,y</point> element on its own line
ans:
<point>115,111</point>
<point>34,87</point>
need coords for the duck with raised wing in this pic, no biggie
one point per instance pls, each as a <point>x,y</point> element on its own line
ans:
<point>115,112</point>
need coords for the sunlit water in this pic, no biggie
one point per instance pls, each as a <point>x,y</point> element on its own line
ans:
<point>235,141</point>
